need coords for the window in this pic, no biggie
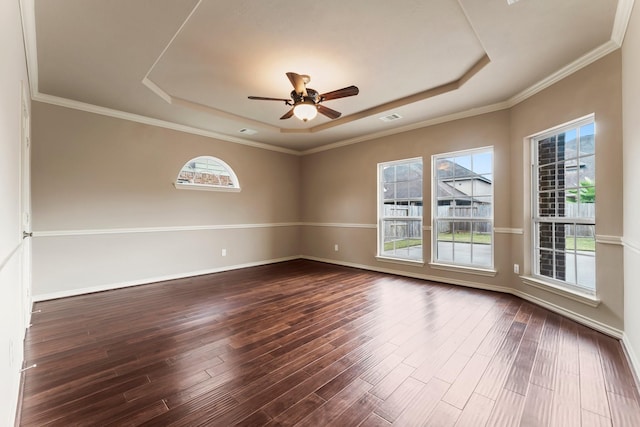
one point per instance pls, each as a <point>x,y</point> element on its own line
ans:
<point>207,173</point>
<point>400,210</point>
<point>564,189</point>
<point>463,208</point>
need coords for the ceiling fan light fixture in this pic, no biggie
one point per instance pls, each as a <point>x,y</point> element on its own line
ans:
<point>305,111</point>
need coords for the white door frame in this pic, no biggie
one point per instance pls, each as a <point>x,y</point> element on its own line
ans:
<point>25,203</point>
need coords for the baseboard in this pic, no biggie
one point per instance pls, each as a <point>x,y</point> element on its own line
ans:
<point>438,279</point>
<point>632,358</point>
<point>593,324</point>
<point>148,280</point>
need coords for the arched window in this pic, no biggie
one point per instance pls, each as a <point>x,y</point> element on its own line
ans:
<point>207,173</point>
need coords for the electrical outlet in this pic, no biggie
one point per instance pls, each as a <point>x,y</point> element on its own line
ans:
<point>224,252</point>
<point>516,268</point>
<point>335,247</point>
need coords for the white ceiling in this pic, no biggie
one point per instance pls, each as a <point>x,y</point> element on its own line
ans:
<point>191,64</point>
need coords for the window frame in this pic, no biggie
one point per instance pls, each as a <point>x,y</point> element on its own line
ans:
<point>235,187</point>
<point>483,269</point>
<point>380,255</point>
<point>562,287</point>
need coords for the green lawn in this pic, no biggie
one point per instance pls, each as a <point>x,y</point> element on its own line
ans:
<point>465,237</point>
<point>583,243</point>
<point>400,244</point>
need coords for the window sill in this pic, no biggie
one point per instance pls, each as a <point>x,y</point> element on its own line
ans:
<point>201,187</point>
<point>413,263</point>
<point>460,269</point>
<point>575,295</point>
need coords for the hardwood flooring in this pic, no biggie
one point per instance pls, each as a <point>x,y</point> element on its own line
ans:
<point>311,344</point>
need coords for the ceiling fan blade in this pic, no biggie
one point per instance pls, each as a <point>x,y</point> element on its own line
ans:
<point>287,115</point>
<point>263,98</point>
<point>332,114</point>
<point>340,93</point>
<point>298,83</point>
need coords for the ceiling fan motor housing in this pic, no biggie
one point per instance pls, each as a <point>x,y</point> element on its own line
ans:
<point>312,96</point>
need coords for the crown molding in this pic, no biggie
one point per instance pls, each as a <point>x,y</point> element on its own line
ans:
<point>578,64</point>
<point>90,108</point>
<point>623,14</point>
<point>426,123</point>
<point>27,12</point>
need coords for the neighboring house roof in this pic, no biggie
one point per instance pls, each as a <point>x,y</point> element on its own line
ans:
<point>446,190</point>
<point>446,174</point>
<point>447,170</point>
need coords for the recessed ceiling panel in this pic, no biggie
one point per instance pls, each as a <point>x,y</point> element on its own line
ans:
<point>388,49</point>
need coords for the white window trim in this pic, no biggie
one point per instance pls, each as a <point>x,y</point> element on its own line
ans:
<point>379,255</point>
<point>488,272</point>
<point>565,290</point>
<point>459,267</point>
<point>204,187</point>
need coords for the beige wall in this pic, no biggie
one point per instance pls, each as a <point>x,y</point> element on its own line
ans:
<point>340,193</point>
<point>340,189</point>
<point>13,290</point>
<point>594,89</point>
<point>631,178</point>
<point>94,174</point>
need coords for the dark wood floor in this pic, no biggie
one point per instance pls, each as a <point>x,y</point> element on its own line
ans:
<point>312,344</point>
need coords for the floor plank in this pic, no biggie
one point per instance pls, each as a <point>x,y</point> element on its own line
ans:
<point>307,343</point>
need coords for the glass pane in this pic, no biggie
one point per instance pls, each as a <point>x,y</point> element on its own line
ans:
<point>482,207</point>
<point>482,186</point>
<point>545,235</point>
<point>402,172</point>
<point>206,171</point>
<point>547,177</point>
<point>445,229</point>
<point>481,254</point>
<point>415,189</point>
<point>546,151</point>
<point>482,232</point>
<point>586,265</point>
<point>585,238</point>
<point>402,190</point>
<point>388,173</point>
<point>547,204</point>
<point>416,171</point>
<point>587,139</point>
<point>560,265</point>
<point>567,145</point>
<point>462,167</point>
<point>463,208</point>
<point>444,168</point>
<point>560,235</point>
<point>545,262</point>
<point>482,163</point>
<point>462,231</point>
<point>570,177</point>
<point>415,208</point>
<point>389,191</point>
<point>569,269</point>
<point>462,252</point>
<point>587,169</point>
<point>444,251</point>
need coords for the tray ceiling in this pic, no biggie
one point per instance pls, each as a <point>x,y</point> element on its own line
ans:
<point>193,63</point>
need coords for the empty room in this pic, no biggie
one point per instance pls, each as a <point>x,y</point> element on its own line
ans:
<point>349,213</point>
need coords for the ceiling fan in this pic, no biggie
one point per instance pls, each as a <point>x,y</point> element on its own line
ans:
<point>306,102</point>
